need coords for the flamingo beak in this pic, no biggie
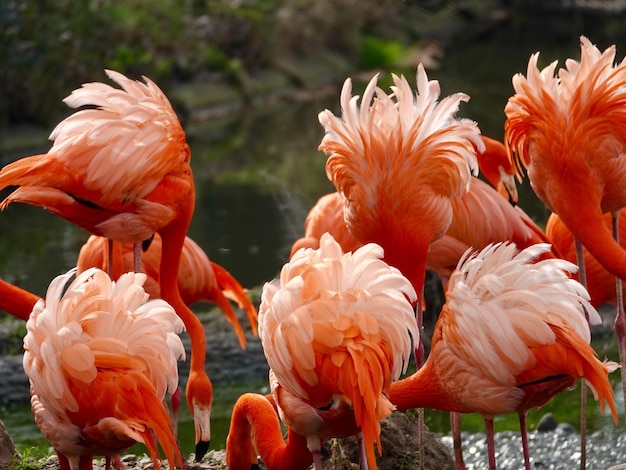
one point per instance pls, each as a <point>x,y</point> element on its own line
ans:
<point>202,423</point>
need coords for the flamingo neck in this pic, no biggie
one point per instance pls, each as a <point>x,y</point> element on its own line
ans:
<point>173,239</point>
<point>254,415</point>
<point>16,301</point>
<point>422,390</point>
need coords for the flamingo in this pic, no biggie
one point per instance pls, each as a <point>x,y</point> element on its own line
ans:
<point>255,415</point>
<point>121,169</point>
<point>336,329</point>
<point>599,280</point>
<point>398,160</point>
<point>566,129</point>
<point>511,336</point>
<point>100,357</point>
<point>199,279</point>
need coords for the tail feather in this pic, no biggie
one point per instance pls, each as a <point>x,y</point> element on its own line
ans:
<point>236,292</point>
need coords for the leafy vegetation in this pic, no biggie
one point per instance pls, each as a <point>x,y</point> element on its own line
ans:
<point>48,48</point>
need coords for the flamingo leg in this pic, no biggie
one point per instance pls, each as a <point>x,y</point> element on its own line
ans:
<point>582,278</point>
<point>491,444</point>
<point>362,452</point>
<point>524,432</point>
<point>455,425</point>
<point>110,257</point>
<point>175,402</point>
<point>137,257</point>
<point>317,460</point>
<point>620,315</point>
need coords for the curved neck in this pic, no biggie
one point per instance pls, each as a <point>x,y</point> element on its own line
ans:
<point>172,241</point>
<point>422,390</point>
<point>16,301</point>
<point>254,415</point>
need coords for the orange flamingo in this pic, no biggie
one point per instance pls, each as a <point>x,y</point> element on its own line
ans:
<point>511,336</point>
<point>199,279</point>
<point>16,301</point>
<point>121,169</point>
<point>254,417</point>
<point>600,283</point>
<point>566,129</point>
<point>336,330</point>
<point>100,358</point>
<point>398,160</point>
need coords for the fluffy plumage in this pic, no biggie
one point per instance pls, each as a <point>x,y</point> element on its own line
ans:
<point>100,358</point>
<point>339,325</point>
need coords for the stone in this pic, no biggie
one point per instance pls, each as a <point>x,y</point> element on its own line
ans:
<point>8,453</point>
<point>399,447</point>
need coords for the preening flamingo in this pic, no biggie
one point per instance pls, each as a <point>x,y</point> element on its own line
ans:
<point>336,330</point>
<point>100,358</point>
<point>511,336</point>
<point>600,283</point>
<point>16,301</point>
<point>398,160</point>
<point>121,169</point>
<point>254,418</point>
<point>566,129</point>
<point>199,279</point>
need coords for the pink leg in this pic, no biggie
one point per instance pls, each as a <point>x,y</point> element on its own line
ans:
<point>455,425</point>
<point>317,460</point>
<point>491,444</point>
<point>137,257</point>
<point>582,278</point>
<point>175,401</point>
<point>524,432</point>
<point>362,452</point>
<point>620,315</point>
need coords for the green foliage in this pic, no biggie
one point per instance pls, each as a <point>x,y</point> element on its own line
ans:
<point>47,49</point>
<point>379,53</point>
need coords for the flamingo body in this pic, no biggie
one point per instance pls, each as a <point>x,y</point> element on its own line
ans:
<point>112,170</point>
<point>511,335</point>
<point>336,330</point>
<point>120,168</point>
<point>566,129</point>
<point>100,359</point>
<point>398,160</point>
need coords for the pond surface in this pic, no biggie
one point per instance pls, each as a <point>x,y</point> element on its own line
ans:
<point>258,172</point>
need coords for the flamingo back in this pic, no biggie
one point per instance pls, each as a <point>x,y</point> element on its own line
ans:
<point>339,324</point>
<point>398,159</point>
<point>505,314</point>
<point>100,357</point>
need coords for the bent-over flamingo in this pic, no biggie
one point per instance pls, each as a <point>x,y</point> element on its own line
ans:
<point>100,358</point>
<point>566,129</point>
<point>255,430</point>
<point>120,168</point>
<point>511,336</point>
<point>336,330</point>
<point>398,160</point>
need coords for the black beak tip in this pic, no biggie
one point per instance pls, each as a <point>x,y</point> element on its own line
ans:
<point>201,449</point>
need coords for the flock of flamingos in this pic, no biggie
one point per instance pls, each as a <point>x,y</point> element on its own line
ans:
<point>343,319</point>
